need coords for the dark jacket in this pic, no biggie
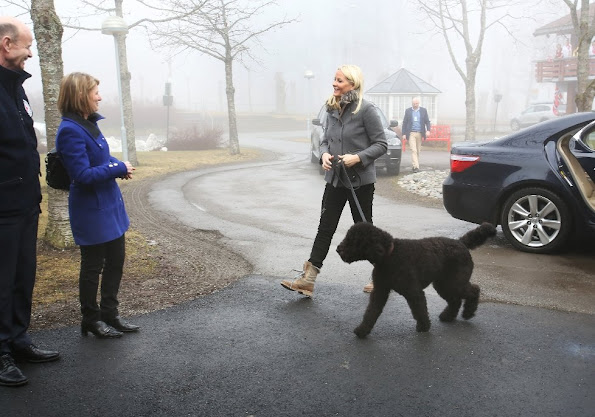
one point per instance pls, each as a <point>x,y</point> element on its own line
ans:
<point>361,134</point>
<point>424,122</point>
<point>19,160</point>
<point>95,204</point>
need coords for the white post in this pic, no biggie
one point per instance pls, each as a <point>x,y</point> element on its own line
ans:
<point>122,126</point>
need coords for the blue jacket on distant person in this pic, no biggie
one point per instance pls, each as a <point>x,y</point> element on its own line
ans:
<point>95,204</point>
<point>408,122</point>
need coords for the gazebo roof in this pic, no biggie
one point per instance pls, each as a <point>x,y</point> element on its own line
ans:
<point>403,82</point>
<point>563,25</point>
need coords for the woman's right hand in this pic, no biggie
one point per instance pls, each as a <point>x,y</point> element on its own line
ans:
<point>327,161</point>
<point>130,169</point>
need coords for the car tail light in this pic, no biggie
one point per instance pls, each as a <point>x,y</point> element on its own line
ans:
<point>459,163</point>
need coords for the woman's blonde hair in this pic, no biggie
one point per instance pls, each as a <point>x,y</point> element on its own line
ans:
<point>74,93</point>
<point>354,75</point>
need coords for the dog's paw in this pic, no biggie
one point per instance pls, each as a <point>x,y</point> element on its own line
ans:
<point>361,332</point>
<point>447,316</point>
<point>422,327</point>
<point>468,315</point>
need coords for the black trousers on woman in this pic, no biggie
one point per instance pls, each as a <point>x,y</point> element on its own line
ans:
<point>333,201</point>
<point>105,259</point>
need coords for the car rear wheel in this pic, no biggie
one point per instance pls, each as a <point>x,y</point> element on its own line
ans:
<point>515,125</point>
<point>536,220</point>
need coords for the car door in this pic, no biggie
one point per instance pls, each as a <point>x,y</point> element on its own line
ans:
<point>528,116</point>
<point>583,148</point>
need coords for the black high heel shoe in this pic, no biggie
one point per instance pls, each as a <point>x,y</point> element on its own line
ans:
<point>122,325</point>
<point>100,330</point>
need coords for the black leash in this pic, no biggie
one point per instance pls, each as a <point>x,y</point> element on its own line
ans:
<point>341,167</point>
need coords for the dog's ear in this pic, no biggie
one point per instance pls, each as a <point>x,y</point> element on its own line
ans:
<point>375,252</point>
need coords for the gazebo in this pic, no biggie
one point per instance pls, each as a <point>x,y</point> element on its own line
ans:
<point>394,95</point>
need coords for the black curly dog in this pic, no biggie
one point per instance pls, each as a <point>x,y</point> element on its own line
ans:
<point>408,266</point>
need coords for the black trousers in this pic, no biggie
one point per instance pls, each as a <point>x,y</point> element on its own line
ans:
<point>18,264</point>
<point>333,201</point>
<point>105,259</point>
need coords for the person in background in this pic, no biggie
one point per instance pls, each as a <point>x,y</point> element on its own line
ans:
<point>416,128</point>
<point>98,217</point>
<point>559,54</point>
<point>567,49</point>
<point>20,195</point>
<point>354,137</point>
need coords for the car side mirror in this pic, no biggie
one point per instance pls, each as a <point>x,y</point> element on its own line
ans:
<point>394,123</point>
<point>316,122</point>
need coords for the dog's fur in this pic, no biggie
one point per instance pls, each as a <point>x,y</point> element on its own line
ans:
<point>408,266</point>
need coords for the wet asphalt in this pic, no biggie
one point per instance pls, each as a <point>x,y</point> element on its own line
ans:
<point>256,349</point>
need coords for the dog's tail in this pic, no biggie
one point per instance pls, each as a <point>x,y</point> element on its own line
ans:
<point>478,236</point>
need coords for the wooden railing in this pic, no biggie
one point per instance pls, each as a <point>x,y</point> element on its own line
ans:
<point>565,69</point>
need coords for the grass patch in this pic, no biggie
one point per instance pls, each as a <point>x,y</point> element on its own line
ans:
<point>58,270</point>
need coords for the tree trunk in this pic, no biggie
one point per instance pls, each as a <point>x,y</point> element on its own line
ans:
<point>126,95</point>
<point>470,106</point>
<point>48,34</point>
<point>585,88</point>
<point>234,144</point>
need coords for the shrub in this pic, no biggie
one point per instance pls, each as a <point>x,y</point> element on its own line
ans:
<point>195,138</point>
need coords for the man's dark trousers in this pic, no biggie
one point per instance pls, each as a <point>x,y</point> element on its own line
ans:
<point>18,253</point>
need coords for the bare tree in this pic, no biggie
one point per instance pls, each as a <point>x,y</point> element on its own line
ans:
<point>100,7</point>
<point>222,29</point>
<point>583,24</point>
<point>459,21</point>
<point>48,34</point>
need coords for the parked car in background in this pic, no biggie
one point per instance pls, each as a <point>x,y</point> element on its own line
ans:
<point>535,113</point>
<point>391,160</point>
<point>538,184</point>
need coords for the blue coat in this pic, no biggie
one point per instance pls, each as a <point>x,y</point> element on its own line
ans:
<point>19,160</point>
<point>95,204</point>
<point>408,122</point>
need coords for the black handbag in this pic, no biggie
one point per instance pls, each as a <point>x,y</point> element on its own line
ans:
<point>56,175</point>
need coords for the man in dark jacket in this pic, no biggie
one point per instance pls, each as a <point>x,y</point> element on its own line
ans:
<point>20,196</point>
<point>416,127</point>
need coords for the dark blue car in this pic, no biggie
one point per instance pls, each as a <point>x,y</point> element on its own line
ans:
<point>538,183</point>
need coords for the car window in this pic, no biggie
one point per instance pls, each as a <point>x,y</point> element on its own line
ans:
<point>589,140</point>
<point>544,108</point>
<point>382,117</point>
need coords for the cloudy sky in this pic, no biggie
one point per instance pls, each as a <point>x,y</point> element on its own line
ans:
<point>381,36</point>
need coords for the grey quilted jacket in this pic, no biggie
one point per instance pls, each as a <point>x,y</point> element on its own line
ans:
<point>362,134</point>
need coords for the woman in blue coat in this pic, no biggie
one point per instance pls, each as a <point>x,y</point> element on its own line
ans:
<point>97,214</point>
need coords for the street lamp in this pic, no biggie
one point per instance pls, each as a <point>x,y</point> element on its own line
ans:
<point>115,25</point>
<point>308,75</point>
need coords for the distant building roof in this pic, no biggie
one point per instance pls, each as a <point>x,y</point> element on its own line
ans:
<point>403,82</point>
<point>563,25</point>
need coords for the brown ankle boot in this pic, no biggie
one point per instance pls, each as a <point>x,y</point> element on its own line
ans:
<point>304,284</point>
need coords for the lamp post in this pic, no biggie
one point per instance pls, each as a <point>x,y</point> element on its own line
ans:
<point>168,100</point>
<point>115,25</point>
<point>308,75</point>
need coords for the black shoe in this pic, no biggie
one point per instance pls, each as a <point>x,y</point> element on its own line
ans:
<point>35,355</point>
<point>100,329</point>
<point>122,325</point>
<point>10,375</point>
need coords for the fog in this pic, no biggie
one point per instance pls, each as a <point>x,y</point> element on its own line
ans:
<point>381,36</point>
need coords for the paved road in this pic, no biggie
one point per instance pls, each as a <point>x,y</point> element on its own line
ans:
<point>255,349</point>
